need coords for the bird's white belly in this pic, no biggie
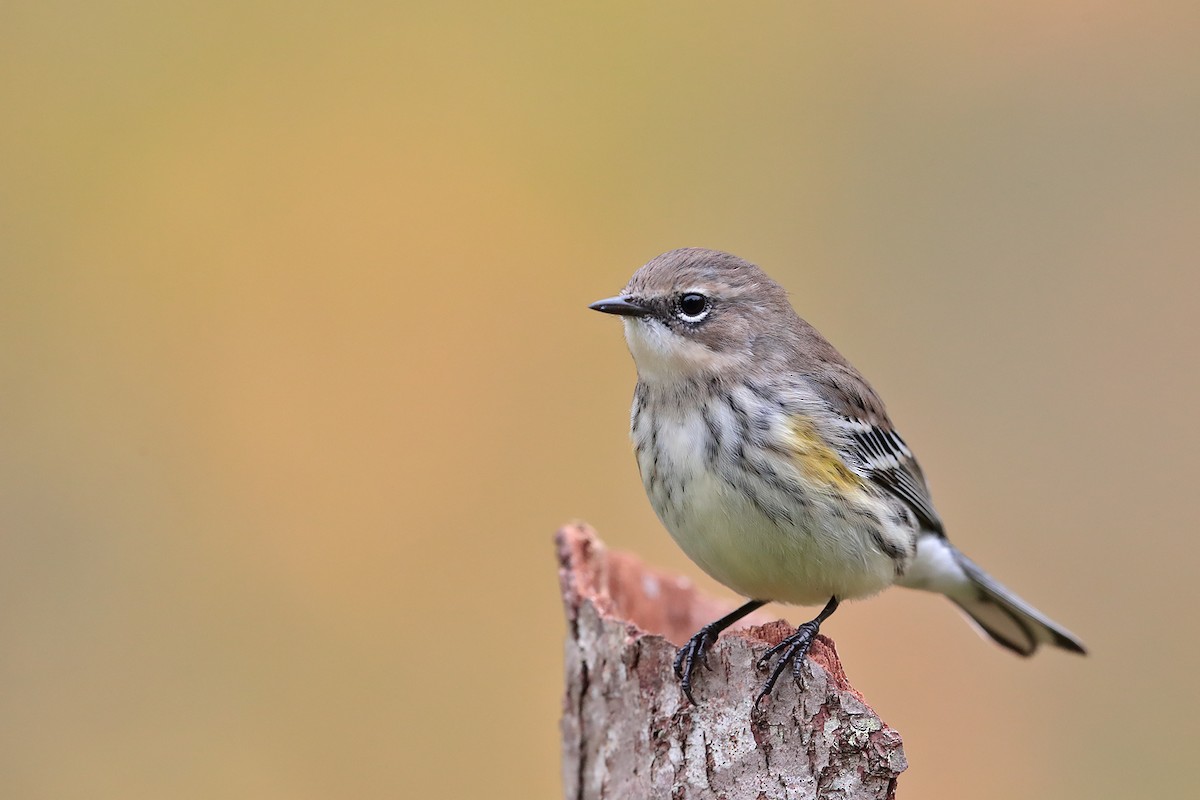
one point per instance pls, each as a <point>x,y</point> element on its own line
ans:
<point>824,549</point>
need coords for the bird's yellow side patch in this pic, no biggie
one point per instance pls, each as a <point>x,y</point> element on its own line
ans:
<point>816,459</point>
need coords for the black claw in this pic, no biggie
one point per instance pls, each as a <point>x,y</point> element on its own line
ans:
<point>685,660</point>
<point>798,667</point>
<point>767,656</point>
<point>794,649</point>
<point>696,650</point>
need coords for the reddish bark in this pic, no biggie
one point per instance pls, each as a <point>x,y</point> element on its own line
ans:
<point>628,731</point>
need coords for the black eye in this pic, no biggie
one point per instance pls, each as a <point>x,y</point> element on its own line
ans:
<point>692,307</point>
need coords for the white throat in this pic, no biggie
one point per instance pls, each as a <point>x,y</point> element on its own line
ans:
<point>664,357</point>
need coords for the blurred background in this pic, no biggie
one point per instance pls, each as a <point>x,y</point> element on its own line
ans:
<point>299,379</point>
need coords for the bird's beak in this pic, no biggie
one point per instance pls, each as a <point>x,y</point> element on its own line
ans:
<point>620,305</point>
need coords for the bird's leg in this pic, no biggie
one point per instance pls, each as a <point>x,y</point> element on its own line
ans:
<point>794,649</point>
<point>696,650</point>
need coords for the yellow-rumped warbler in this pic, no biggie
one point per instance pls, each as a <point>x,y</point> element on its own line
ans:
<point>773,463</point>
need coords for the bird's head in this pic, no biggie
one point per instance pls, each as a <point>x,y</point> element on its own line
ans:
<point>701,313</point>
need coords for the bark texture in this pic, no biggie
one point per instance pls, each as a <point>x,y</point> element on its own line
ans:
<point>628,731</point>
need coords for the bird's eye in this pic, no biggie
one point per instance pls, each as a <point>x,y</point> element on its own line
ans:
<point>692,307</point>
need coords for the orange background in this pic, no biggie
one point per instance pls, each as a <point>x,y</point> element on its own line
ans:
<point>299,377</point>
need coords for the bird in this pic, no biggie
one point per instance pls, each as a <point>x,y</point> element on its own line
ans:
<point>775,467</point>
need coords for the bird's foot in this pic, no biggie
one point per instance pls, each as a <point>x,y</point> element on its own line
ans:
<point>693,653</point>
<point>794,648</point>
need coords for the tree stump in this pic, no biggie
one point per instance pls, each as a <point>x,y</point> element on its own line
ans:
<point>629,732</point>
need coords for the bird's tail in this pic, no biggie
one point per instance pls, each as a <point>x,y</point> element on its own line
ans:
<point>1005,618</point>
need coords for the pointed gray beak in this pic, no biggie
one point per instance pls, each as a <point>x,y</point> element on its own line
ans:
<point>620,305</point>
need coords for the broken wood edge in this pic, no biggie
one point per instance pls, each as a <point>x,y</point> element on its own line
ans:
<point>628,731</point>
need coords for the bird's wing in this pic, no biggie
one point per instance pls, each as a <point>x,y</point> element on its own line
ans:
<point>889,463</point>
<point>874,447</point>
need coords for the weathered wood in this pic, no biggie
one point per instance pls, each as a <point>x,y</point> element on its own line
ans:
<point>628,731</point>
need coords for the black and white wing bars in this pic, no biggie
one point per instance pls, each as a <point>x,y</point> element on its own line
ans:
<point>889,463</point>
